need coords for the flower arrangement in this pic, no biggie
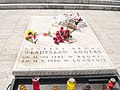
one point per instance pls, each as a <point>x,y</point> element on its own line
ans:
<point>68,21</point>
<point>68,24</point>
<point>31,36</point>
<point>62,35</point>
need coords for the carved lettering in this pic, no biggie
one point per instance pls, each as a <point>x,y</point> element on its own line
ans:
<point>35,60</point>
<point>70,56</point>
<point>27,52</point>
<point>56,55</point>
<point>66,60</point>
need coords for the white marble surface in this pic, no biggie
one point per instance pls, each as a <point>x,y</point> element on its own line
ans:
<point>47,58</point>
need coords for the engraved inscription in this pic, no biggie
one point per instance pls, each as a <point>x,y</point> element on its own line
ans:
<point>62,55</point>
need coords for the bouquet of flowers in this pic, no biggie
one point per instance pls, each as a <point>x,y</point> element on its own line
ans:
<point>31,36</point>
<point>68,21</point>
<point>67,24</point>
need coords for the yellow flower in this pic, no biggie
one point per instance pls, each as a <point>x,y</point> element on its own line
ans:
<point>28,32</point>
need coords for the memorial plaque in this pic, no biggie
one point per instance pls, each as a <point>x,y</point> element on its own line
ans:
<point>86,56</point>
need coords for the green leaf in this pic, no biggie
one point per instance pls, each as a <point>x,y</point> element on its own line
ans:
<point>69,36</point>
<point>31,40</point>
<point>49,34</point>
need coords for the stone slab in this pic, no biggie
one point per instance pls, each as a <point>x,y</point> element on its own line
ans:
<point>104,2</point>
<point>84,57</point>
<point>60,6</point>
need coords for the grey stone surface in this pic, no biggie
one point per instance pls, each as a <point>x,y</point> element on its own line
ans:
<point>105,25</point>
<point>60,6</point>
<point>108,2</point>
<point>4,83</point>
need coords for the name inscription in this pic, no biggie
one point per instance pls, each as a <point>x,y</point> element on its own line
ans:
<point>51,55</point>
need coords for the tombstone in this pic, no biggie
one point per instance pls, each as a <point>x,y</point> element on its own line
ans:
<point>84,57</point>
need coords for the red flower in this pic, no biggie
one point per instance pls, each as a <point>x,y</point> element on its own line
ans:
<point>54,38</point>
<point>61,28</point>
<point>45,34</point>
<point>61,31</point>
<point>75,27</point>
<point>61,40</point>
<point>64,36</point>
<point>58,36</point>
<point>67,31</point>
<point>55,41</point>
<point>57,33</point>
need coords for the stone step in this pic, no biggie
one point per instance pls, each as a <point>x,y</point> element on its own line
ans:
<point>60,6</point>
<point>100,2</point>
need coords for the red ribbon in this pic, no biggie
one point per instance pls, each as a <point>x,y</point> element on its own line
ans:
<point>36,84</point>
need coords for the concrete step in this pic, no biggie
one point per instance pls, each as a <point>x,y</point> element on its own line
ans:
<point>60,6</point>
<point>100,2</point>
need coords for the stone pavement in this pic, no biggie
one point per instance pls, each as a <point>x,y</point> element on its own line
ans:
<point>61,4</point>
<point>13,24</point>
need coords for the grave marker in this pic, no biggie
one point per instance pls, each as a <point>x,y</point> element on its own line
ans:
<point>86,56</point>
